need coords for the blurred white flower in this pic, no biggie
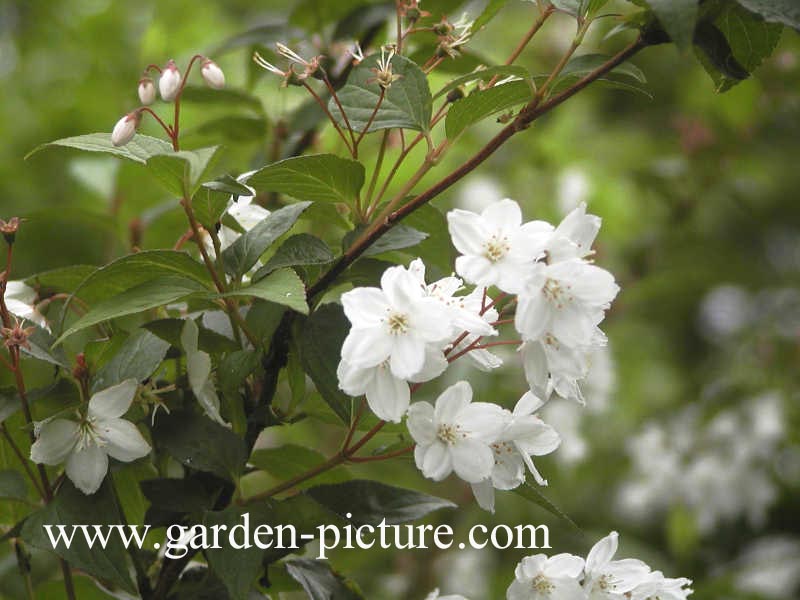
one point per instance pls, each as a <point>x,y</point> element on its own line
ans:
<point>87,444</point>
<point>658,587</point>
<point>573,189</point>
<point>769,567</point>
<point>434,595</point>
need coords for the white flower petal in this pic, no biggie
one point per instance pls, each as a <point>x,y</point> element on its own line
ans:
<point>472,460</point>
<point>55,441</point>
<point>113,402</point>
<point>123,440</point>
<point>388,397</point>
<point>87,468</point>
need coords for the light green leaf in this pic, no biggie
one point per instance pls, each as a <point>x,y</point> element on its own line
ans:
<point>182,172</point>
<point>489,12</point>
<point>139,149</point>
<point>150,294</point>
<point>240,256</point>
<point>300,249</point>
<point>406,104</point>
<point>281,287</point>
<point>316,177</point>
<point>139,356</point>
<point>484,103</point>
<point>369,502</point>
<point>776,11</point>
<point>678,18</point>
<point>483,75</point>
<point>64,279</point>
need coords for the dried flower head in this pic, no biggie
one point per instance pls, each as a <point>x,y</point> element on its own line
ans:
<point>17,336</point>
<point>384,75</point>
<point>9,228</point>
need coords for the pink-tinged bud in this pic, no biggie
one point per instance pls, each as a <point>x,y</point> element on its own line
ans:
<point>147,91</point>
<point>212,74</point>
<point>170,82</point>
<point>125,129</point>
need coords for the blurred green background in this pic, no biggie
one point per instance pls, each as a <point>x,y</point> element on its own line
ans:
<point>689,443</point>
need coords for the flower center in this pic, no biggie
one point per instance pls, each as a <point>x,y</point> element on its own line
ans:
<point>606,582</point>
<point>398,323</point>
<point>557,293</point>
<point>542,585</point>
<point>496,247</point>
<point>449,434</point>
<point>88,435</point>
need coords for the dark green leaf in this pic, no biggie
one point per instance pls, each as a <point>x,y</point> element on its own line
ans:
<point>406,104</point>
<point>484,74</point>
<point>397,238</point>
<point>290,460</point>
<point>369,502</point>
<point>150,294</point>
<point>281,287</point>
<point>678,18</point>
<point>200,443</point>
<point>436,249</point>
<point>319,343</point>
<point>41,347</point>
<point>240,256</point>
<point>776,11</point>
<point>71,507</point>
<point>139,356</point>
<point>65,279</point>
<point>228,184</point>
<point>300,249</point>
<point>320,582</point>
<point>182,172</point>
<point>177,495</point>
<point>716,56</point>
<point>12,485</point>
<point>263,319</point>
<point>315,177</point>
<point>139,149</point>
<point>484,103</point>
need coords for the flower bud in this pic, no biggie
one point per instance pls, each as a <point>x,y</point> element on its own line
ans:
<point>125,129</point>
<point>212,74</point>
<point>147,91</point>
<point>170,82</point>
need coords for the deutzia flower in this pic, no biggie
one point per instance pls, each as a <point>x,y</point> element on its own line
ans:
<point>658,587</point>
<point>607,579</point>
<point>566,299</point>
<point>574,236</point>
<point>553,366</point>
<point>86,445</point>
<point>20,299</point>
<point>393,323</point>
<point>525,435</point>
<point>456,434</point>
<point>542,578</point>
<point>496,247</point>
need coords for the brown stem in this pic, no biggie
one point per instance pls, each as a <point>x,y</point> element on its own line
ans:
<point>335,96</point>
<point>324,108</point>
<point>371,119</point>
<point>176,125</point>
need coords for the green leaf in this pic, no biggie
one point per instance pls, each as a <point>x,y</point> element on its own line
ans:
<point>532,493</point>
<point>300,249</point>
<point>586,63</point>
<point>319,342</point>
<point>71,507</point>
<point>134,269</point>
<point>678,18</point>
<point>290,460</point>
<point>571,7</point>
<point>65,279</point>
<point>315,177</point>
<point>776,11</point>
<point>397,238</point>
<point>483,75</point>
<point>150,294</point>
<point>139,149</point>
<point>177,495</point>
<point>182,172</point>
<point>240,256</point>
<point>228,184</point>
<point>200,443</point>
<point>41,347</point>
<point>484,103</point>
<point>406,104</point>
<point>716,56</point>
<point>139,356</point>
<point>320,582</point>
<point>436,249</point>
<point>263,319</point>
<point>369,502</point>
<point>12,485</point>
<point>281,287</point>
<point>489,12</point>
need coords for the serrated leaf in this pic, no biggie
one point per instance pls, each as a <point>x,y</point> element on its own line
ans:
<point>315,177</point>
<point>298,250</point>
<point>319,581</point>
<point>481,104</point>
<point>240,256</point>
<point>407,102</point>
<point>182,172</point>
<point>281,287</point>
<point>776,11</point>
<point>678,18</point>
<point>139,149</point>
<point>483,75</point>
<point>71,507</point>
<point>319,342</point>
<point>370,502</point>
<point>138,358</point>
<point>200,443</point>
<point>150,294</point>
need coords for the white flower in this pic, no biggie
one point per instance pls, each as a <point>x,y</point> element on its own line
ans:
<point>524,436</point>
<point>20,299</point>
<point>542,578</point>
<point>496,247</point>
<point>550,365</point>
<point>395,322</point>
<point>607,579</point>
<point>212,74</point>
<point>86,445</point>
<point>456,434</point>
<point>434,595</point>
<point>147,91</point>
<point>169,84</point>
<point>658,587</point>
<point>574,236</point>
<point>125,129</point>
<point>566,299</point>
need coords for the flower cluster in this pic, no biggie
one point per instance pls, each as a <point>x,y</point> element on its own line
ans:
<point>598,577</point>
